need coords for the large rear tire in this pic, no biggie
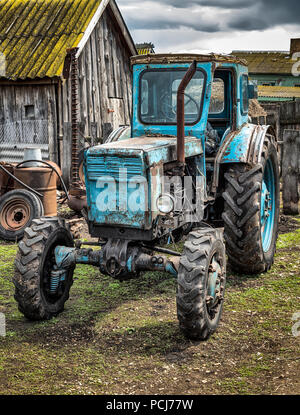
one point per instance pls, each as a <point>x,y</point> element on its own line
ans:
<point>201,284</point>
<point>39,293</point>
<point>251,212</point>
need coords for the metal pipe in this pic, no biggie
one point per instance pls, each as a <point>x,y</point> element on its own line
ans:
<point>20,182</point>
<point>51,167</point>
<point>161,250</point>
<point>180,112</point>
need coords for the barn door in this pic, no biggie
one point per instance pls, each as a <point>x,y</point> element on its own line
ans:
<point>27,118</point>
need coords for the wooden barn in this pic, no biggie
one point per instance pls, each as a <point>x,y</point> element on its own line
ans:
<point>35,99</point>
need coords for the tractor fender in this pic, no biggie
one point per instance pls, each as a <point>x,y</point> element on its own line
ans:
<point>245,145</point>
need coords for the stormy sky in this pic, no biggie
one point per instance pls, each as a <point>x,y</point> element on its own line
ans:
<point>213,25</point>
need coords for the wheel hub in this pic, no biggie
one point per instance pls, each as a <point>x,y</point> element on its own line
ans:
<point>267,212</point>
<point>215,286</point>
<point>266,205</point>
<point>15,215</point>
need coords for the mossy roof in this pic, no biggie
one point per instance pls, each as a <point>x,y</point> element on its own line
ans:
<point>267,62</point>
<point>35,34</point>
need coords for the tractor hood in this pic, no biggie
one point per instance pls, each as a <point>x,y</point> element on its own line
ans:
<point>154,150</point>
<point>117,171</point>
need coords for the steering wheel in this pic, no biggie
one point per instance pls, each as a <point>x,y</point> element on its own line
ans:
<point>167,108</point>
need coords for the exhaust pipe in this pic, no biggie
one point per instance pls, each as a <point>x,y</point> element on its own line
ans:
<point>180,112</point>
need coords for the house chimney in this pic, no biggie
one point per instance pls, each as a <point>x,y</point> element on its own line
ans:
<point>295,45</point>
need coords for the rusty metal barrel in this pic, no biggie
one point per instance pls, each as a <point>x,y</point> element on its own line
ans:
<point>6,183</point>
<point>43,180</point>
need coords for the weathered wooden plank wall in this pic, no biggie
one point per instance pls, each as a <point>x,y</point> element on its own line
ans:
<point>291,171</point>
<point>105,89</point>
<point>290,116</point>
<point>27,116</point>
<point>105,82</point>
<point>283,116</point>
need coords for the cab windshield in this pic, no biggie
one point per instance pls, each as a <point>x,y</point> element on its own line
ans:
<point>158,96</point>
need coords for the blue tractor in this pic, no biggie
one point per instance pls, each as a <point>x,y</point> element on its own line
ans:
<point>192,166</point>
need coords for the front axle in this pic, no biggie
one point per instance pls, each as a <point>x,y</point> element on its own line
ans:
<point>116,259</point>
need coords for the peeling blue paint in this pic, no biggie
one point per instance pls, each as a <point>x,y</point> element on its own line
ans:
<point>245,145</point>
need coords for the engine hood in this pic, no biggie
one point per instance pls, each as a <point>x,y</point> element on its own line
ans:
<point>155,149</point>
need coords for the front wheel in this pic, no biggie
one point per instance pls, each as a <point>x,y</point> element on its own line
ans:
<point>201,284</point>
<point>251,213</point>
<point>40,289</point>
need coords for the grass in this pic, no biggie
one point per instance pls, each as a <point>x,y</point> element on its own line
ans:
<point>116,338</point>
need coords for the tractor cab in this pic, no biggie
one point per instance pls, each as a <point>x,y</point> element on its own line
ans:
<point>184,107</point>
<point>216,98</point>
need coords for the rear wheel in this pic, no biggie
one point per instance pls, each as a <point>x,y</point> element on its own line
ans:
<point>201,284</point>
<point>40,289</point>
<point>18,208</point>
<point>251,213</point>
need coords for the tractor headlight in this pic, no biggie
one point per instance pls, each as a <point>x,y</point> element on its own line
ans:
<point>165,203</point>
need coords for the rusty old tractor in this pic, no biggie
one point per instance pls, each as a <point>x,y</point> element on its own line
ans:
<point>191,165</point>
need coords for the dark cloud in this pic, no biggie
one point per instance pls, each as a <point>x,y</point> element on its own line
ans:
<point>266,14</point>
<point>224,4</point>
<point>162,23</point>
<point>244,15</point>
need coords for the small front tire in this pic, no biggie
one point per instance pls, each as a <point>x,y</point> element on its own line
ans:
<point>201,284</point>
<point>34,265</point>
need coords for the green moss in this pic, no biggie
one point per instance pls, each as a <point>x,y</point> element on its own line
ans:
<point>289,240</point>
<point>234,386</point>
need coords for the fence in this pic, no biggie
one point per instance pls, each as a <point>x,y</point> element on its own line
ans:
<point>290,126</point>
<point>291,171</point>
<point>16,136</point>
<point>285,118</point>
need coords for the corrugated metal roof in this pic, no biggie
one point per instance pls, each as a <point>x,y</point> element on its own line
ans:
<point>278,91</point>
<point>34,34</point>
<point>267,62</point>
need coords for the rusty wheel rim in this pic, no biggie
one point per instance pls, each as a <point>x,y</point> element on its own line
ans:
<point>15,215</point>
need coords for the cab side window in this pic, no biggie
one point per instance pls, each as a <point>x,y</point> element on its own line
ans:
<point>245,94</point>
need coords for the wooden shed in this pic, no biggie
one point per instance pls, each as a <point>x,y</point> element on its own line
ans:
<point>35,99</point>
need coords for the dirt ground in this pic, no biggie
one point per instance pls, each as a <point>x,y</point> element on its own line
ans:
<point>123,338</point>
